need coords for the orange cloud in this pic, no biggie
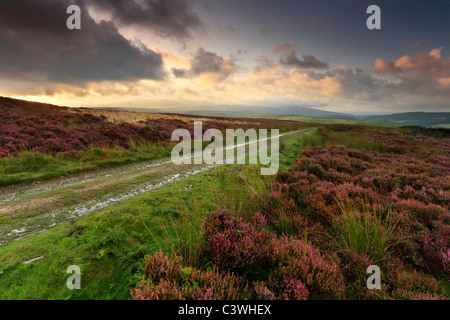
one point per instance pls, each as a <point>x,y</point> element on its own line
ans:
<point>173,60</point>
<point>431,63</point>
<point>427,74</point>
<point>381,66</point>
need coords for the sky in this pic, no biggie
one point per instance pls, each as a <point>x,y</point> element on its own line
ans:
<point>194,54</point>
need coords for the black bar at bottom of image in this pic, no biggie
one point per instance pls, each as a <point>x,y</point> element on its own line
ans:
<point>226,309</point>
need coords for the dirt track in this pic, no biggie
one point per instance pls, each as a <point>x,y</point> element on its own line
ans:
<point>50,200</point>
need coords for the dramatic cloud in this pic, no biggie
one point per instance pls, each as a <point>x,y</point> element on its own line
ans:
<point>289,58</point>
<point>269,79</point>
<point>360,84</point>
<point>427,74</point>
<point>168,18</point>
<point>36,47</point>
<point>351,88</point>
<point>149,52</point>
<point>414,83</point>
<point>207,63</point>
<point>351,84</point>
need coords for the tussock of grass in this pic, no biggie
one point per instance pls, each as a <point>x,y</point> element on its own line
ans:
<point>241,192</point>
<point>367,232</point>
<point>183,233</point>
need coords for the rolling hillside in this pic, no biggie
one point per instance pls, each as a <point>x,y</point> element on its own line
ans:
<point>425,119</point>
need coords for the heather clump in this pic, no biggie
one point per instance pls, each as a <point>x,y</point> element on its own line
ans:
<point>282,214</point>
<point>280,267</point>
<point>302,271</point>
<point>55,131</point>
<point>416,286</point>
<point>390,209</point>
<point>168,279</point>
<point>235,244</point>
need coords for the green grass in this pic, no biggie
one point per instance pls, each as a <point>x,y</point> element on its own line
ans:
<point>358,137</point>
<point>368,232</point>
<point>291,148</point>
<point>240,193</point>
<point>183,233</point>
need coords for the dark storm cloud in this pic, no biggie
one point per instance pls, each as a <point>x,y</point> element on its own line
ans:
<point>35,45</point>
<point>169,18</point>
<point>205,62</point>
<point>361,85</point>
<point>289,58</point>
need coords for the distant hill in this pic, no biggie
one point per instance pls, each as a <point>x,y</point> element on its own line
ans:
<point>254,111</point>
<point>330,120</point>
<point>240,111</point>
<point>297,113</point>
<point>425,119</point>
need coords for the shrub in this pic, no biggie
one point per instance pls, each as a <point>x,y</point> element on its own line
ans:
<point>233,244</point>
<point>302,271</point>
<point>167,279</point>
<point>280,268</point>
<point>416,286</point>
